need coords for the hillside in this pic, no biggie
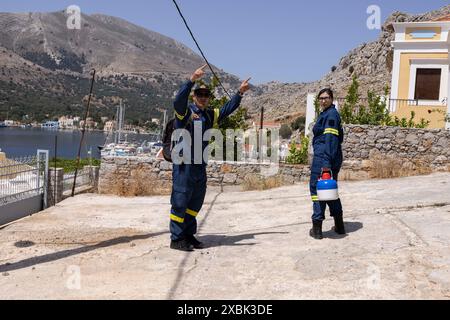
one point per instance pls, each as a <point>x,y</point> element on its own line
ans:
<point>45,66</point>
<point>44,69</point>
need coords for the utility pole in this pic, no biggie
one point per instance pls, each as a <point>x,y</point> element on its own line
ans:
<point>261,127</point>
<point>164,122</point>
<point>123,116</point>
<point>165,118</point>
<point>83,131</point>
<point>117,124</point>
<point>120,122</point>
<point>164,125</point>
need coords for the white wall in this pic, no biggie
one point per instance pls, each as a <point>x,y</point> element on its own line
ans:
<point>310,112</point>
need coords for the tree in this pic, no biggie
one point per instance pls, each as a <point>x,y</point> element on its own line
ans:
<point>285,131</point>
<point>299,124</point>
<point>351,100</point>
<point>236,121</point>
<point>316,108</point>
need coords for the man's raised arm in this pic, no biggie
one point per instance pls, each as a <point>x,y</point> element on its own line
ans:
<point>235,102</point>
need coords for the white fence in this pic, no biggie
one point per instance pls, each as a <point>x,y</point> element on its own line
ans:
<point>23,186</point>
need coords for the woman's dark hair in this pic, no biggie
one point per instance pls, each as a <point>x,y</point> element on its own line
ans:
<point>327,90</point>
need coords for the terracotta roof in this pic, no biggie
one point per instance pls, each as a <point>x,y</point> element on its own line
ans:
<point>266,124</point>
<point>443,18</point>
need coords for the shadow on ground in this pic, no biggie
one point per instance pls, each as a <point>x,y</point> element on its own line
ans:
<point>212,241</point>
<point>350,227</point>
<point>72,252</point>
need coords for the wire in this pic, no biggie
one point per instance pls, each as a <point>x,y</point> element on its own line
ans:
<point>198,46</point>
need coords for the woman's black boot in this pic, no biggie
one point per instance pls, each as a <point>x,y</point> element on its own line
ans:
<point>316,231</point>
<point>339,227</point>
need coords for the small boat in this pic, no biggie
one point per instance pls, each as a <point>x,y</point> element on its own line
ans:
<point>118,150</point>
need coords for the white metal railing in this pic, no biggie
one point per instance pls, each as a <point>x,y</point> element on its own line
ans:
<point>84,178</point>
<point>21,178</point>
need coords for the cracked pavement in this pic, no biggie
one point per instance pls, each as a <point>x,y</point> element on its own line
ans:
<point>106,247</point>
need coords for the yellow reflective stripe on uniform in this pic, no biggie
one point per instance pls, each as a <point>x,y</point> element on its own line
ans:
<point>176,219</point>
<point>179,116</point>
<point>315,198</point>
<point>216,118</point>
<point>192,213</point>
<point>331,131</point>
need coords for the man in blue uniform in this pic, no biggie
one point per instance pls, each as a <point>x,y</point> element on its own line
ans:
<point>189,179</point>
<point>328,138</point>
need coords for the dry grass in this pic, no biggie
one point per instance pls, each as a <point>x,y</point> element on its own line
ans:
<point>256,182</point>
<point>138,184</point>
<point>384,167</point>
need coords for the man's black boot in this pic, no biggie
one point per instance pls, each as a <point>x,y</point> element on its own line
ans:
<point>197,244</point>
<point>339,226</point>
<point>316,231</point>
<point>182,245</point>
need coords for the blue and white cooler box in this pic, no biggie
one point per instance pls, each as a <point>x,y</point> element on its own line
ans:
<point>327,190</point>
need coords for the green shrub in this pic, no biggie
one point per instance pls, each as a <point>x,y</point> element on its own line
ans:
<point>69,165</point>
<point>375,113</point>
<point>298,156</point>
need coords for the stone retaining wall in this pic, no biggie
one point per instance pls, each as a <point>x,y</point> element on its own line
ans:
<point>418,151</point>
<point>121,175</point>
<point>369,152</point>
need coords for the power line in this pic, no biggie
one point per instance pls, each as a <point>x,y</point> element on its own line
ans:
<point>198,46</point>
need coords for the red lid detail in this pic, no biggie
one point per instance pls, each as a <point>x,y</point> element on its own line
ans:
<point>326,176</point>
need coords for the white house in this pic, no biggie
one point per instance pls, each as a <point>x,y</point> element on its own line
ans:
<point>65,122</point>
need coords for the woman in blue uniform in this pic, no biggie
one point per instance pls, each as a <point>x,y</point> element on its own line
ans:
<point>328,137</point>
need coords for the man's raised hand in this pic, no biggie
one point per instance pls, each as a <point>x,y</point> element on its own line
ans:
<point>199,73</point>
<point>245,86</point>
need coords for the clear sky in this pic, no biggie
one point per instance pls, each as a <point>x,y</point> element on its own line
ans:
<point>284,40</point>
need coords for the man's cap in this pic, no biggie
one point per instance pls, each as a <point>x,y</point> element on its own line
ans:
<point>201,88</point>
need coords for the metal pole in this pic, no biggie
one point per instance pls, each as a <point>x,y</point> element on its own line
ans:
<point>83,132</point>
<point>261,133</point>
<point>164,125</point>
<point>165,118</point>
<point>123,122</point>
<point>117,126</point>
<point>54,178</point>
<point>120,122</point>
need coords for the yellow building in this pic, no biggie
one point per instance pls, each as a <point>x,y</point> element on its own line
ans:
<point>420,75</point>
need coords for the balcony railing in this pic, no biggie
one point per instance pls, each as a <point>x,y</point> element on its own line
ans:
<point>395,104</point>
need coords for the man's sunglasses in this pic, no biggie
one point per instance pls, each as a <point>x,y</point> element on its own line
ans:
<point>203,95</point>
<point>324,98</point>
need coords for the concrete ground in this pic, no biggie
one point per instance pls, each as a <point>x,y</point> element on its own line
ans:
<point>104,247</point>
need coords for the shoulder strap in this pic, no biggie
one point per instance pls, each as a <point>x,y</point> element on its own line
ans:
<point>189,120</point>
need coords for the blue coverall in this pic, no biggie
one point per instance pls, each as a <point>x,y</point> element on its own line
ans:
<point>327,143</point>
<point>190,180</point>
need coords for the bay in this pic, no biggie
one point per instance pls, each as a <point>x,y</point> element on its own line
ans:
<point>20,142</point>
